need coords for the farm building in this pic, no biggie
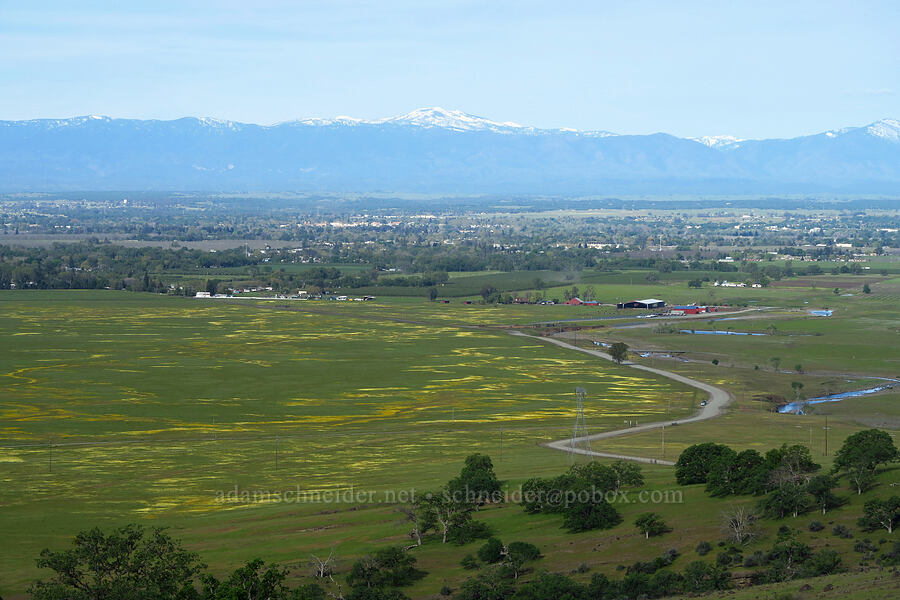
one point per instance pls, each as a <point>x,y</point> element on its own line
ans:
<point>580,302</point>
<point>648,303</point>
<point>690,309</point>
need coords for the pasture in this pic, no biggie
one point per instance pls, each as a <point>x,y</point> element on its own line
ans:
<point>120,407</point>
<point>124,407</point>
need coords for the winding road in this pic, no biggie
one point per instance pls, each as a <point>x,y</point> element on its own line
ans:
<point>715,406</point>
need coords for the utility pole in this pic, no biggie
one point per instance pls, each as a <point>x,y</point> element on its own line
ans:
<point>663,441</point>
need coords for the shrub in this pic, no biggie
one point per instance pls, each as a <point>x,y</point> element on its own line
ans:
<point>703,548</point>
<point>842,531</point>
<point>446,590</point>
<point>374,593</point>
<point>469,562</point>
<point>492,551</point>
<point>387,567</point>
<point>891,558</point>
<point>824,562</point>
<point>757,559</point>
<point>700,577</point>
<point>816,526</point>
<point>548,585</point>
<point>784,533</point>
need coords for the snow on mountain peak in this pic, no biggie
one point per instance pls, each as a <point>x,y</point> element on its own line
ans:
<point>450,119</point>
<point>339,120</point>
<point>888,129</point>
<point>717,141</point>
<point>217,123</point>
<point>442,118</point>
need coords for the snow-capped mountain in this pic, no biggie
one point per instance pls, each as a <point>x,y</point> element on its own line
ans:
<point>442,118</point>
<point>717,141</point>
<point>433,150</point>
<point>887,129</point>
<point>453,119</point>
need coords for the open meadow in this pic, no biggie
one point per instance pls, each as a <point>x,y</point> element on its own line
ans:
<point>152,405</point>
<point>121,407</point>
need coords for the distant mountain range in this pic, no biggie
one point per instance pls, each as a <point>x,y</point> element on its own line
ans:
<point>433,151</point>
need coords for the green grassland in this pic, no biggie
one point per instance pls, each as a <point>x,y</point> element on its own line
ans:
<point>861,336</point>
<point>155,404</point>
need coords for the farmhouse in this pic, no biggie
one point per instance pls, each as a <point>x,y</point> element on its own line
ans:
<point>648,303</point>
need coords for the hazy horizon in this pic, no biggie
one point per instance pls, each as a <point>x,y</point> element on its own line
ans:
<point>762,70</point>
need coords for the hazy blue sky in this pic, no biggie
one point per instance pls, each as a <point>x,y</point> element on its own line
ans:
<point>752,69</point>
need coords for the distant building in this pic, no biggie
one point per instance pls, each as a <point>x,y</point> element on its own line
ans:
<point>689,309</point>
<point>579,302</point>
<point>648,303</point>
<point>203,295</point>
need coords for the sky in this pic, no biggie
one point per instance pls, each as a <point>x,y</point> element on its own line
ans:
<point>753,69</point>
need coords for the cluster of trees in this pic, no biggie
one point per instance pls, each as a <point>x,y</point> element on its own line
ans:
<point>786,476</point>
<point>131,562</point>
<point>726,472</point>
<point>134,563</point>
<point>332,278</point>
<point>581,494</point>
<point>789,559</point>
<point>93,264</point>
<point>650,579</point>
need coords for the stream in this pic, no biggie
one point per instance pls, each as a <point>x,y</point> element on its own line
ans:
<point>797,407</point>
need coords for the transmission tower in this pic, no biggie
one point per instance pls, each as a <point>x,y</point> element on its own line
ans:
<point>579,430</point>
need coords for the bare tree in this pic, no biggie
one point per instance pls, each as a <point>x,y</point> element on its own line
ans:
<point>739,525</point>
<point>419,519</point>
<point>323,568</point>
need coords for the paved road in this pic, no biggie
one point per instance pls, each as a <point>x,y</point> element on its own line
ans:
<point>715,406</point>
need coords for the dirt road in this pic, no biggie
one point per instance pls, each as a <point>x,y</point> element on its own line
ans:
<point>715,406</point>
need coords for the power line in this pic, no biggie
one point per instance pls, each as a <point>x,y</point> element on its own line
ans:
<point>579,429</point>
